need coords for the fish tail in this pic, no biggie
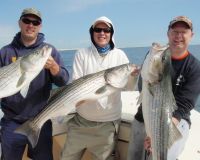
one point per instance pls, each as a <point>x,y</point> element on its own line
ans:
<point>30,131</point>
<point>174,135</point>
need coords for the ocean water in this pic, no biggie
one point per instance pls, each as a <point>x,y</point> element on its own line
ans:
<point>135,54</point>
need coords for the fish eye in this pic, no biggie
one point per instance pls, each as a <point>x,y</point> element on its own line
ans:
<point>163,58</point>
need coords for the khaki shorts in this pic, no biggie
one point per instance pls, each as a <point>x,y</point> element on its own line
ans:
<point>99,138</point>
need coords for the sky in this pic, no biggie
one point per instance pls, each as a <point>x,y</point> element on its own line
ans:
<point>137,23</point>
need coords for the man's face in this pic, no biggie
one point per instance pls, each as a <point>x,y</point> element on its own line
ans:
<point>30,27</point>
<point>102,34</point>
<point>179,36</point>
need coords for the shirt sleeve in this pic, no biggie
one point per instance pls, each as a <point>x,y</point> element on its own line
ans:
<point>187,94</point>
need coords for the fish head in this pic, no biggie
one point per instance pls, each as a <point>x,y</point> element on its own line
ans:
<point>153,66</point>
<point>118,76</point>
<point>35,59</point>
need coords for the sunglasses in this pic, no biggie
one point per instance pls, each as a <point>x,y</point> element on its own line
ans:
<point>28,21</point>
<point>99,30</point>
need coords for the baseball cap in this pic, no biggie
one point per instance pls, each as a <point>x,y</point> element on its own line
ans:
<point>102,19</point>
<point>181,19</point>
<point>31,11</point>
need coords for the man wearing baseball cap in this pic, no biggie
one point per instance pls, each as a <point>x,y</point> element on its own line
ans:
<point>18,109</point>
<point>31,11</point>
<point>185,87</point>
<point>181,19</point>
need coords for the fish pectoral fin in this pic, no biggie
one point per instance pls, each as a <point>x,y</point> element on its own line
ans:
<point>174,135</point>
<point>106,89</point>
<point>21,80</point>
<point>101,90</point>
<point>24,90</point>
<point>150,88</point>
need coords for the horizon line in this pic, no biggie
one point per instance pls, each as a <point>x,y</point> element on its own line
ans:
<point>63,49</point>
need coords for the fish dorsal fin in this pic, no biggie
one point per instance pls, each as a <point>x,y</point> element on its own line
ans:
<point>55,92</point>
<point>24,90</point>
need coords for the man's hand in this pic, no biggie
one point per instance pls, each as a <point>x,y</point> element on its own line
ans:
<point>132,79</point>
<point>175,121</point>
<point>136,71</point>
<point>147,144</point>
<point>52,65</point>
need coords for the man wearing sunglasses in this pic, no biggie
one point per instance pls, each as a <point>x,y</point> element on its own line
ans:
<point>95,124</point>
<point>18,109</point>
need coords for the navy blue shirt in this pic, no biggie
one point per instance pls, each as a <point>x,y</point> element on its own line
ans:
<point>16,107</point>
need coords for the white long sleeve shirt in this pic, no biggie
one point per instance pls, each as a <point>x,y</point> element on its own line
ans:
<point>87,61</point>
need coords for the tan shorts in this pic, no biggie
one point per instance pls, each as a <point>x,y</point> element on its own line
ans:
<point>99,138</point>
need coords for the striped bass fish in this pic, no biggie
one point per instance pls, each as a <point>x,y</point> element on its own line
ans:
<point>158,101</point>
<point>65,99</point>
<point>18,75</point>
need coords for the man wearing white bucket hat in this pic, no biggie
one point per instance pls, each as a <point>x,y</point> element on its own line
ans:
<point>95,125</point>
